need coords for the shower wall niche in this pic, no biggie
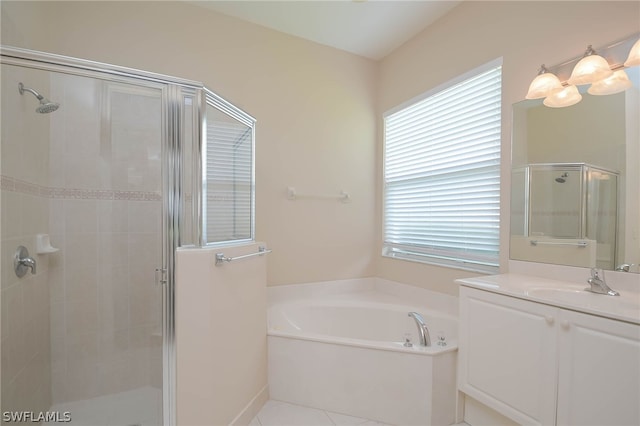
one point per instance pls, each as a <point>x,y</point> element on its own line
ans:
<point>570,210</point>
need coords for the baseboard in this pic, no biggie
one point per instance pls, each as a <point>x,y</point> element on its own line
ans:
<point>252,408</point>
<point>478,414</point>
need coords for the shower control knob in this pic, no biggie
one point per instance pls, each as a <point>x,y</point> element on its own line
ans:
<point>22,262</point>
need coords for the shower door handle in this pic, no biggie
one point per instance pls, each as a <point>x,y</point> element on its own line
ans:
<point>161,276</point>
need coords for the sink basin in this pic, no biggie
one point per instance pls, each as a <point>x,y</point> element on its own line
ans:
<point>575,295</point>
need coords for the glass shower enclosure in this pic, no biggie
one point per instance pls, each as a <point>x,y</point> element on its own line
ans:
<point>98,190</point>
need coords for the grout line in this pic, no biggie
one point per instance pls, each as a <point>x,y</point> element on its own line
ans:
<point>326,413</point>
<point>329,417</point>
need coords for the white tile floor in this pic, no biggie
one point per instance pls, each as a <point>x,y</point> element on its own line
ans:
<point>141,407</point>
<point>277,413</point>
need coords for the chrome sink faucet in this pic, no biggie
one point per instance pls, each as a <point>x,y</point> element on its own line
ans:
<point>598,284</point>
<point>425,340</point>
<point>625,267</point>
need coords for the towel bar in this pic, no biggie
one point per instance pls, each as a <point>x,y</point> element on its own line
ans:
<point>220,257</point>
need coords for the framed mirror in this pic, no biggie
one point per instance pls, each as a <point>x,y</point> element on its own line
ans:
<point>575,197</point>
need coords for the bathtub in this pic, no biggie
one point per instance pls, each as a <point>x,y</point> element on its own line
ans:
<point>340,346</point>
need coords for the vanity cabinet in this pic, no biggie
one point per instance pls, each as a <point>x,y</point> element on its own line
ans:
<point>540,364</point>
<point>599,371</point>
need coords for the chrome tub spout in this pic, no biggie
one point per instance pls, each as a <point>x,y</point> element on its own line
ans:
<point>425,340</point>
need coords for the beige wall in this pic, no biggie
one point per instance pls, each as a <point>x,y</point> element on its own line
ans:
<point>314,105</point>
<point>524,34</point>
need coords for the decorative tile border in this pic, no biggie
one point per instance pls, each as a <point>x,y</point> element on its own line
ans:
<point>8,183</point>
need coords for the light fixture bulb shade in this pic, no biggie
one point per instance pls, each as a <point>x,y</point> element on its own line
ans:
<point>634,55</point>
<point>617,83</point>
<point>589,70</point>
<point>564,98</point>
<point>544,85</point>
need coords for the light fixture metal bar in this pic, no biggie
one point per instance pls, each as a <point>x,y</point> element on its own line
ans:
<point>615,53</point>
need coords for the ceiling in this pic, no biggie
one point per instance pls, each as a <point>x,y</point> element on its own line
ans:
<point>372,29</point>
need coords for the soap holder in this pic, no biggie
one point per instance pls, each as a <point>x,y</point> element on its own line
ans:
<point>43,244</point>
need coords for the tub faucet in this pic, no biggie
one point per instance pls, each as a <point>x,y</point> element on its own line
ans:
<point>425,340</point>
<point>598,284</point>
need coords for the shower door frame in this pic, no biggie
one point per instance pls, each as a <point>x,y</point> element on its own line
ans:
<point>173,91</point>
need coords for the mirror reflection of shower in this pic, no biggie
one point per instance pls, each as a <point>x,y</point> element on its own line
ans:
<point>46,106</point>
<point>572,201</point>
<point>563,178</point>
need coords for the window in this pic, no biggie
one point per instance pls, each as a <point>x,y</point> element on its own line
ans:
<point>442,174</point>
<point>228,179</point>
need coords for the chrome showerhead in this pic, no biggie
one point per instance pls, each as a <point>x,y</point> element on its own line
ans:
<point>563,178</point>
<point>46,106</point>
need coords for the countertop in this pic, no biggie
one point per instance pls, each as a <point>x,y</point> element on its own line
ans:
<point>568,295</point>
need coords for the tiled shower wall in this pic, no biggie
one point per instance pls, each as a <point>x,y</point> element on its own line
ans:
<point>26,368</point>
<point>105,216</point>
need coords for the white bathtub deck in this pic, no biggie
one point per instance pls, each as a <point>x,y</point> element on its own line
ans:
<point>372,289</point>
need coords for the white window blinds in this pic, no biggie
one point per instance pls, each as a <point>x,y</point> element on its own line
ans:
<point>228,183</point>
<point>442,176</point>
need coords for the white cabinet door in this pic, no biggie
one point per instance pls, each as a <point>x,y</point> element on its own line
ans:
<point>599,371</point>
<point>507,355</point>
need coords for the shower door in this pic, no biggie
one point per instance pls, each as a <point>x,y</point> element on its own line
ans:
<point>82,190</point>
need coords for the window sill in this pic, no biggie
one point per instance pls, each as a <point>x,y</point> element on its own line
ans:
<point>445,263</point>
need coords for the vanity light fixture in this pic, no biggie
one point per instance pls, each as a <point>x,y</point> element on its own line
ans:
<point>634,55</point>
<point>606,76</point>
<point>566,97</point>
<point>617,83</point>
<point>544,84</point>
<point>591,68</point>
